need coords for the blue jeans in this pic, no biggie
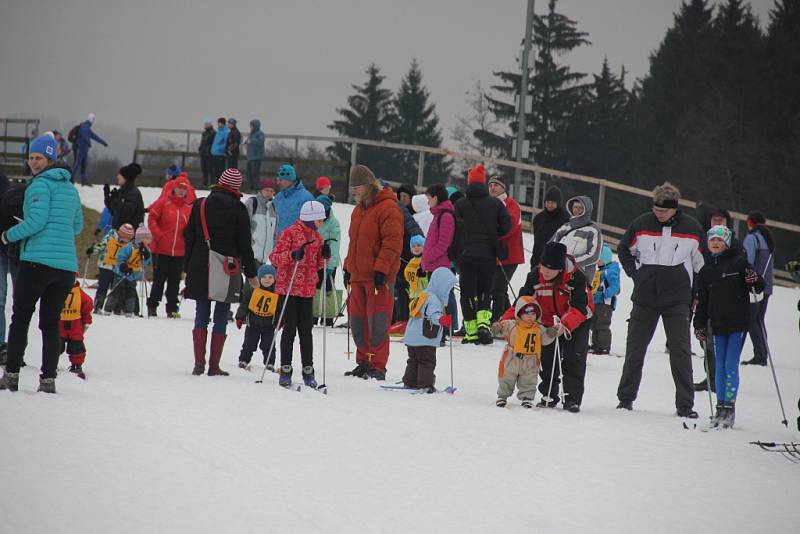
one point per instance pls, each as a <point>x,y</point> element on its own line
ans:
<point>728,349</point>
<point>203,316</point>
<point>7,266</point>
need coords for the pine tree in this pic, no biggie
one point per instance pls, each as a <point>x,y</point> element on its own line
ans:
<point>369,116</point>
<point>555,90</point>
<point>416,123</point>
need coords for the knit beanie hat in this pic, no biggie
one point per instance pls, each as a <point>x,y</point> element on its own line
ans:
<point>265,270</point>
<point>554,255</point>
<point>174,171</point>
<point>130,171</point>
<point>477,174</point>
<point>606,256</point>
<point>125,232</point>
<point>232,121</point>
<point>312,211</point>
<point>720,232</point>
<point>666,195</point>
<point>322,182</point>
<point>287,172</point>
<point>231,178</point>
<point>267,183</point>
<point>554,194</point>
<point>142,233</point>
<point>416,240</point>
<point>499,181</point>
<point>438,191</point>
<point>527,304</point>
<point>361,175</point>
<point>91,117</point>
<point>45,145</point>
<point>326,201</point>
<point>450,190</point>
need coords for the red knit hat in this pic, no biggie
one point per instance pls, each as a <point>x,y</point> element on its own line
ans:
<point>477,175</point>
<point>231,178</point>
<point>322,182</point>
<point>126,232</point>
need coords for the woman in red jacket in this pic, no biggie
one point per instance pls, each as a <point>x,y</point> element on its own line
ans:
<point>168,217</point>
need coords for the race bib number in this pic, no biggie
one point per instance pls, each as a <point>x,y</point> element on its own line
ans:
<point>528,341</point>
<point>596,281</point>
<point>263,303</point>
<point>135,261</point>
<point>72,306</point>
<point>112,248</point>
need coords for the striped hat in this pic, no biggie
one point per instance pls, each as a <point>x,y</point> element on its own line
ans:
<point>143,232</point>
<point>125,232</point>
<point>231,178</point>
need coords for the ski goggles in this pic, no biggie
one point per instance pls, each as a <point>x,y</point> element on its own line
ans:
<point>720,232</point>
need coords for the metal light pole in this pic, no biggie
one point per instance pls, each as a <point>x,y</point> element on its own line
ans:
<point>523,97</point>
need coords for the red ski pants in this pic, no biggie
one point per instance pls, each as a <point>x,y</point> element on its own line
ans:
<point>369,314</point>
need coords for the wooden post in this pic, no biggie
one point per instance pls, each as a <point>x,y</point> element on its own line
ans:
<point>601,203</point>
<point>421,169</point>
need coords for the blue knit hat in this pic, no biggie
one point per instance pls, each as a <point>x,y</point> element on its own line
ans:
<point>174,171</point>
<point>265,270</point>
<point>605,255</point>
<point>416,240</point>
<point>45,145</point>
<point>287,172</point>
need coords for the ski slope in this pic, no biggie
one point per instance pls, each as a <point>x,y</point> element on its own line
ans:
<point>143,446</point>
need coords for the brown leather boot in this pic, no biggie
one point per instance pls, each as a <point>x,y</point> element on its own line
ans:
<point>215,355</point>
<point>199,337</point>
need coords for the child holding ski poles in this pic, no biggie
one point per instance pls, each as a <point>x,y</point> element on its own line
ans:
<point>724,284</point>
<point>132,260</point>
<point>298,256</point>
<point>257,311</point>
<point>521,360</point>
<point>107,251</point>
<point>76,316</point>
<point>427,319</point>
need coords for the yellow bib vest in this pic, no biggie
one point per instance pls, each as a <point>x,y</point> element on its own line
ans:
<point>72,306</point>
<point>112,248</point>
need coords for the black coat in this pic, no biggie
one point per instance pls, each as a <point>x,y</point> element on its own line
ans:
<point>126,206</point>
<point>545,224</point>
<point>723,295</point>
<point>229,229</point>
<point>410,229</point>
<point>485,220</point>
<point>13,198</point>
<point>234,140</point>
<point>252,320</point>
<point>206,141</point>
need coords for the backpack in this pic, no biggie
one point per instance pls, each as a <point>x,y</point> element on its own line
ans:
<point>456,248</point>
<point>72,136</point>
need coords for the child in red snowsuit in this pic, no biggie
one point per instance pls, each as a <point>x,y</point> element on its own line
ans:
<point>75,320</point>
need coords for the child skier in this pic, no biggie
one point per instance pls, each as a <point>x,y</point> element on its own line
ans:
<point>521,361</point>
<point>107,251</point>
<point>257,311</point>
<point>416,277</point>
<point>132,260</point>
<point>76,316</point>
<point>298,256</point>
<point>605,287</point>
<point>724,284</point>
<point>427,319</point>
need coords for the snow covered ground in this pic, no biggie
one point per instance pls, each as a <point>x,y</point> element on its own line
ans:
<point>143,446</point>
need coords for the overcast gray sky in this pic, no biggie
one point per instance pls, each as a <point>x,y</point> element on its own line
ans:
<point>168,64</point>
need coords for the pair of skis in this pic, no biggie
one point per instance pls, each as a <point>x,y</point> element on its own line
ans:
<point>414,391</point>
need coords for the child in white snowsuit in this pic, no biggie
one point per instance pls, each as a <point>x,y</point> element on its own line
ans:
<point>257,311</point>
<point>426,322</point>
<point>520,363</point>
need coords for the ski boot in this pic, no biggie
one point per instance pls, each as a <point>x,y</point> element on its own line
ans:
<point>527,403</point>
<point>285,379</point>
<point>360,370</point>
<point>572,407</point>
<point>470,333</point>
<point>271,368</point>
<point>10,381</point>
<point>308,377</point>
<point>174,315</point>
<point>625,405</point>
<point>484,322</point>
<point>688,413</point>
<point>716,419</point>
<point>47,385</point>
<point>546,404</point>
<point>500,402</point>
<point>729,414</point>
<point>244,364</point>
<point>377,374</point>
<point>77,369</point>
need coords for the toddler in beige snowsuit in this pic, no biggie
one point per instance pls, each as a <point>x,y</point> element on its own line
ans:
<point>520,363</point>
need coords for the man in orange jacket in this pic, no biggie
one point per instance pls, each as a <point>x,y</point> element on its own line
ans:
<point>370,268</point>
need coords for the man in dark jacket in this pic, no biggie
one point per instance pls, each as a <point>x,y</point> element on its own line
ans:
<point>125,203</point>
<point>661,252</point>
<point>233,143</point>
<point>485,220</point>
<point>207,139</point>
<point>228,226</point>
<point>546,222</point>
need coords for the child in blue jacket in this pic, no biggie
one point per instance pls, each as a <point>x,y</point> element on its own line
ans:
<point>426,322</point>
<point>132,260</point>
<point>605,288</point>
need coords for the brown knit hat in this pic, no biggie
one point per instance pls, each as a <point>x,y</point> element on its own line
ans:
<point>666,195</point>
<point>361,175</point>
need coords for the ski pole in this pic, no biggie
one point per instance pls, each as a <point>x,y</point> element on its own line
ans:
<point>346,303</point>
<point>761,325</point>
<point>324,326</point>
<point>505,275</point>
<point>280,319</point>
<point>85,271</point>
<point>549,397</point>
<point>557,353</point>
<point>708,374</point>
<point>452,387</point>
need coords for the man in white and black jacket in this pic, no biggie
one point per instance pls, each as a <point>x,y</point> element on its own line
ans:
<point>661,252</point>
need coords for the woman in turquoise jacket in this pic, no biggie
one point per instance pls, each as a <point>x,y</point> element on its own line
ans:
<point>52,217</point>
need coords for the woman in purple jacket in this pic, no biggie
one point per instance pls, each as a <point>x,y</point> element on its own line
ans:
<point>439,238</point>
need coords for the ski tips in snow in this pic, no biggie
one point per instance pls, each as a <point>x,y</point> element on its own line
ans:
<point>790,451</point>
